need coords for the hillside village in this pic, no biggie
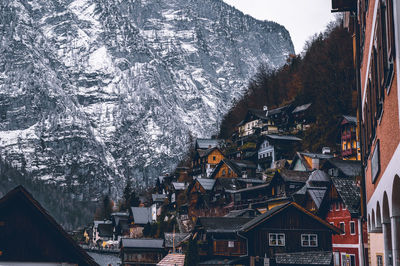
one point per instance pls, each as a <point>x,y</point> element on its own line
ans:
<point>241,193</point>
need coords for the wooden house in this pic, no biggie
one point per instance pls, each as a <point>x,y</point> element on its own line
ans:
<point>276,147</point>
<point>200,194</point>
<point>205,144</point>
<point>348,138</point>
<point>290,231</point>
<point>342,168</point>
<point>253,123</point>
<point>307,161</point>
<point>278,119</point>
<point>234,169</point>
<point>337,200</point>
<point>284,184</point>
<point>302,117</point>
<point>173,242</point>
<point>141,251</point>
<point>120,223</point>
<point>30,236</point>
<point>204,162</point>
<point>217,237</point>
<point>139,217</point>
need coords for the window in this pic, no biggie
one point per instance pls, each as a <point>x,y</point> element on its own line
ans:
<point>309,240</point>
<point>344,259</point>
<point>331,207</point>
<point>343,206</point>
<point>276,239</point>
<point>379,260</point>
<point>336,258</point>
<point>214,158</point>
<point>337,205</point>
<point>352,228</point>
<point>231,244</point>
<point>342,227</point>
<point>223,172</point>
<point>332,223</point>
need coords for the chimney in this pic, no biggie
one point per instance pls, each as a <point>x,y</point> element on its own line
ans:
<point>315,163</point>
<point>265,109</point>
<point>326,150</point>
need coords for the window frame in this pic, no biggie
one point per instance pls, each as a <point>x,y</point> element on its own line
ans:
<point>344,227</point>
<point>276,235</point>
<point>354,227</point>
<point>309,240</point>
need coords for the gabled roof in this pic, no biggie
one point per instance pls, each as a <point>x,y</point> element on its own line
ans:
<point>207,143</point>
<point>283,137</point>
<point>159,197</point>
<point>305,258</point>
<point>249,188</point>
<point>349,193</point>
<point>180,185</point>
<point>141,215</point>
<point>19,196</point>
<point>347,167</point>
<point>316,155</point>
<point>261,114</point>
<point>301,108</point>
<point>293,176</point>
<point>350,119</point>
<point>247,213</point>
<point>142,243</point>
<point>317,194</point>
<point>178,238</point>
<point>277,110</point>
<point>207,184</point>
<point>235,165</point>
<point>319,176</point>
<point>274,211</point>
<point>227,183</point>
<point>205,153</point>
<point>172,259</point>
<point>221,224</point>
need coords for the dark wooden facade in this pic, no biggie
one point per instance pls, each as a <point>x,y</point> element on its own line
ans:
<point>29,234</point>
<point>293,222</point>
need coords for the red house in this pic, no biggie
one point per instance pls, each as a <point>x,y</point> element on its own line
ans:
<point>344,212</point>
<point>336,199</point>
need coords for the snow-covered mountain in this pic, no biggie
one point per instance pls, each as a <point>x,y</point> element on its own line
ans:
<point>95,91</point>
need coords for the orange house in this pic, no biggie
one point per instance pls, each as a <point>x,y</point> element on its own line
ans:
<point>234,169</point>
<point>205,161</point>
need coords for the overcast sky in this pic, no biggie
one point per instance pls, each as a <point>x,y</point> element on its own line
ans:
<point>302,18</point>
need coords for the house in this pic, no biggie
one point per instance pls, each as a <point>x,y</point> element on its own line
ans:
<point>139,217</point>
<point>234,169</point>
<point>277,120</point>
<point>348,138</point>
<point>345,213</point>
<point>301,117</point>
<point>120,223</point>
<point>141,251</point>
<point>284,184</point>
<point>290,231</point>
<point>253,123</point>
<point>204,162</point>
<point>102,232</point>
<point>217,237</point>
<point>314,195</point>
<point>200,194</point>
<point>245,213</point>
<point>173,241</point>
<point>342,168</point>
<point>177,189</point>
<point>376,60</point>
<point>307,161</point>
<point>336,199</point>
<point>276,147</point>
<point>256,196</point>
<point>205,144</point>
<point>29,235</point>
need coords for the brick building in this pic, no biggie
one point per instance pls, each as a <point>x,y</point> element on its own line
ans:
<point>375,27</point>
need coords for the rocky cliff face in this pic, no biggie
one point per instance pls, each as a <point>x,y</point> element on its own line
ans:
<point>95,91</point>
